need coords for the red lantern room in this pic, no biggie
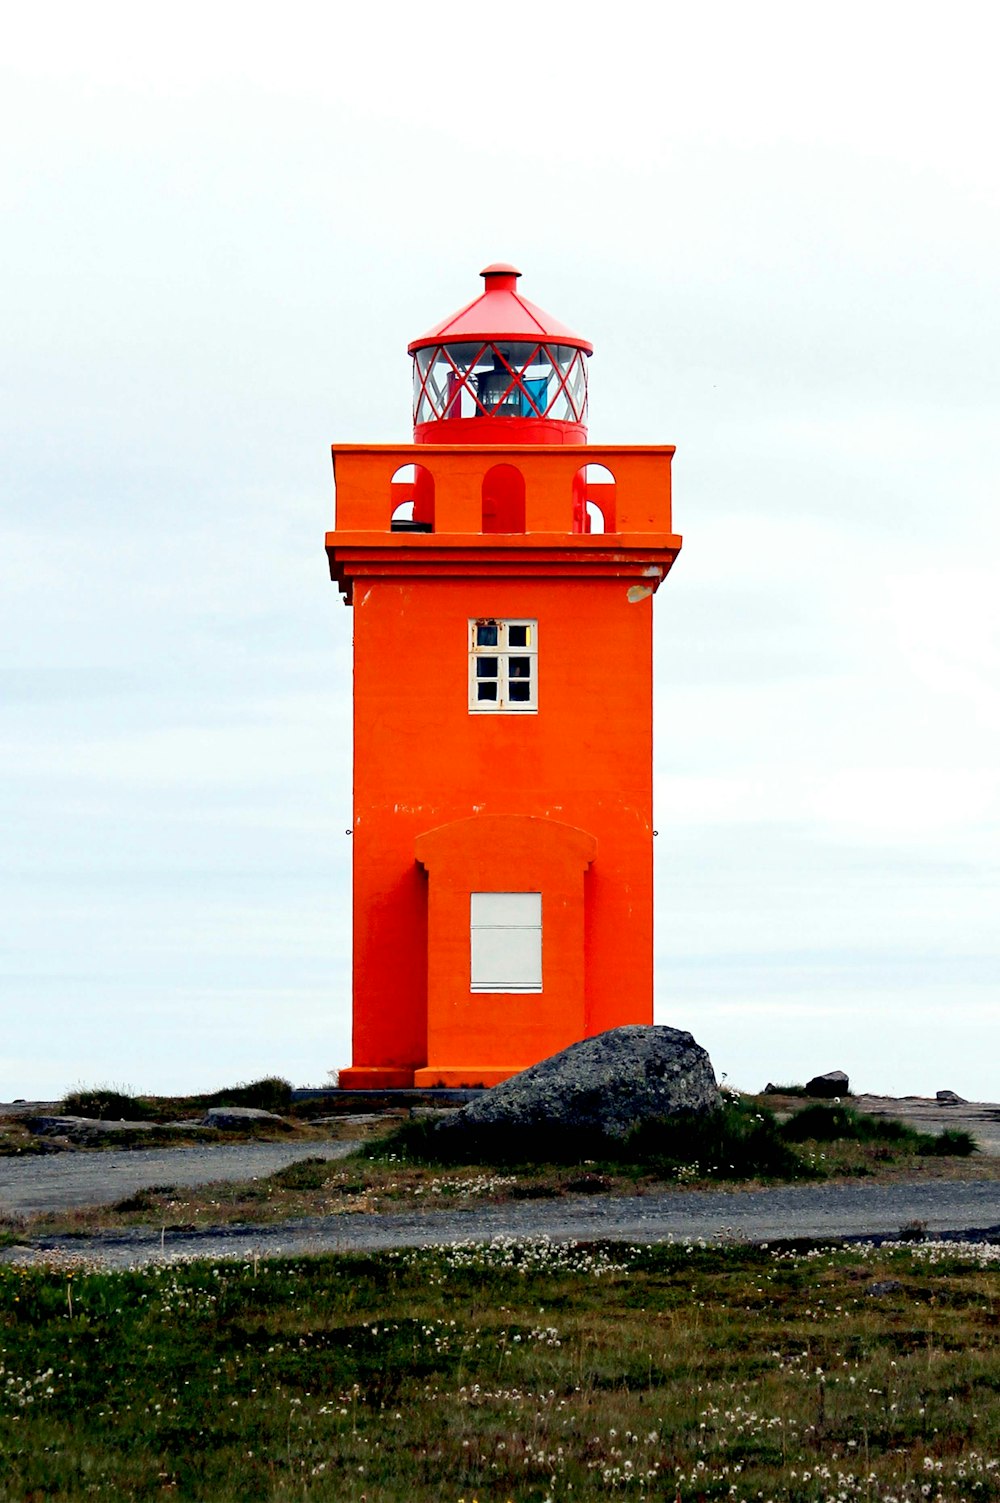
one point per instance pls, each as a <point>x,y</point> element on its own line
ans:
<point>500,371</point>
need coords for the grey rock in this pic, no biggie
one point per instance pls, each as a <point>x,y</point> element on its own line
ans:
<point>833,1083</point>
<point>883,1286</point>
<point>609,1084</point>
<point>238,1116</point>
<point>951,1098</point>
<point>85,1127</point>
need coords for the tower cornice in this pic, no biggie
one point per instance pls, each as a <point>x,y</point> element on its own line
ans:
<point>584,557</point>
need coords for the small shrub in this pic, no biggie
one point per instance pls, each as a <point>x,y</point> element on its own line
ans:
<point>106,1104</point>
<point>306,1174</point>
<point>141,1200</point>
<point>953,1142</point>
<point>828,1124</point>
<point>739,1141</point>
<point>272,1094</point>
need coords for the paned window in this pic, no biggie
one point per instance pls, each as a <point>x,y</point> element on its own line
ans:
<point>506,942</point>
<point>503,665</point>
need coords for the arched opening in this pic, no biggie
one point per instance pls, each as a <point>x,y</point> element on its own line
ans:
<point>594,499</point>
<point>595,517</point>
<point>412,496</point>
<point>503,499</point>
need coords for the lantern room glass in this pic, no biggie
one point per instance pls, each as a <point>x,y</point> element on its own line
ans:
<point>500,379</point>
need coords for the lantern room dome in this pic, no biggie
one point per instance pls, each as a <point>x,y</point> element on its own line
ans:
<point>500,312</point>
<point>500,370</point>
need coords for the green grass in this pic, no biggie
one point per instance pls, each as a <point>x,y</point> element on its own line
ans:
<point>739,1141</point>
<point>743,1140</point>
<point>111,1103</point>
<point>520,1372</point>
<point>827,1124</point>
<point>107,1103</point>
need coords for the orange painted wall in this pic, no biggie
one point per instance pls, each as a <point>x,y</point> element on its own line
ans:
<point>421,760</point>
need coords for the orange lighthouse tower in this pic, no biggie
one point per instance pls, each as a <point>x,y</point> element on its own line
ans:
<point>501,571</point>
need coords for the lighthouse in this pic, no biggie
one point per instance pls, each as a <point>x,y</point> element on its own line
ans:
<point>501,571</point>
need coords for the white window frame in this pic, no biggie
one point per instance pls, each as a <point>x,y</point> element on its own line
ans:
<point>505,942</point>
<point>501,654</point>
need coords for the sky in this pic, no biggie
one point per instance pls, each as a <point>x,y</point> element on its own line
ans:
<point>778,224</point>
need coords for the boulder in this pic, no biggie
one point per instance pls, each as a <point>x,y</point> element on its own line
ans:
<point>951,1098</point>
<point>79,1129</point>
<point>605,1085</point>
<point>239,1116</point>
<point>833,1083</point>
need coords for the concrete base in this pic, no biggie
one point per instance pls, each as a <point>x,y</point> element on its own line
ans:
<point>373,1078</point>
<point>387,1078</point>
<point>462,1075</point>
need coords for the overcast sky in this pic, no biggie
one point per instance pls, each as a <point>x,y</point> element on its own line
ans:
<point>778,224</point>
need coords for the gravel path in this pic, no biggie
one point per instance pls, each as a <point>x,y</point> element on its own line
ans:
<point>63,1181</point>
<point>829,1210</point>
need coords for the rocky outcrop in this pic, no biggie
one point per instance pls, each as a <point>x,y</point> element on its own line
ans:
<point>833,1083</point>
<point>241,1116</point>
<point>87,1129</point>
<point>605,1086</point>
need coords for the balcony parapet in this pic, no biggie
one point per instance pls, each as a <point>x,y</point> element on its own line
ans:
<point>574,491</point>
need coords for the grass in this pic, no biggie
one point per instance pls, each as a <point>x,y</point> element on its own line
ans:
<point>827,1124</point>
<point>108,1103</point>
<point>741,1141</point>
<point>111,1103</point>
<point>513,1371</point>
